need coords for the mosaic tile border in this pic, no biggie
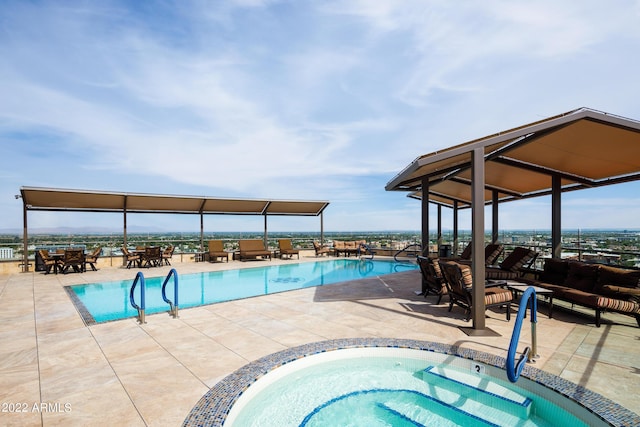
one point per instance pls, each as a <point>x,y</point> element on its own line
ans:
<point>87,318</point>
<point>212,409</point>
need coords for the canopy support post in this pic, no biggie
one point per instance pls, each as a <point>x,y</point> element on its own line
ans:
<point>556,217</point>
<point>425,216</point>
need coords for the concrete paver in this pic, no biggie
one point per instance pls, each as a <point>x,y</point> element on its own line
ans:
<point>153,374</point>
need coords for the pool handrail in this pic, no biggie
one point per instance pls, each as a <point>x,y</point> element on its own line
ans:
<point>173,306</point>
<point>417,245</point>
<point>141,307</point>
<point>366,248</point>
<point>514,369</point>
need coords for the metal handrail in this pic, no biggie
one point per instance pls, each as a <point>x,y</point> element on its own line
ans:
<point>418,245</point>
<point>514,369</point>
<point>141,307</point>
<point>366,248</point>
<point>173,306</point>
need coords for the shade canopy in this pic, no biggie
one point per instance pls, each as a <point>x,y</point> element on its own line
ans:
<point>585,148</point>
<point>55,199</point>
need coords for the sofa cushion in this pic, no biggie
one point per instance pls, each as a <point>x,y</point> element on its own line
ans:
<point>577,296</point>
<point>555,271</point>
<point>615,276</point>
<point>619,305</point>
<point>582,276</point>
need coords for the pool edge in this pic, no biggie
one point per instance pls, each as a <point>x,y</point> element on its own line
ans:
<point>212,409</point>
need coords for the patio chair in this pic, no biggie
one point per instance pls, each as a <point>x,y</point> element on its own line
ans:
<point>460,287</point>
<point>74,259</point>
<point>131,258</point>
<point>286,248</point>
<point>167,254</point>
<point>432,277</point>
<point>92,258</point>
<point>49,262</point>
<point>321,249</point>
<point>511,267</point>
<point>152,256</point>
<point>216,250</point>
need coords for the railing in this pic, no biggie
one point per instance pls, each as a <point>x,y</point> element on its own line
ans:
<point>366,248</point>
<point>413,245</point>
<point>514,369</point>
<point>173,306</point>
<point>141,307</point>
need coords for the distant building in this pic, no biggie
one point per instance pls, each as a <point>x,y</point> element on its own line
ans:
<point>6,253</point>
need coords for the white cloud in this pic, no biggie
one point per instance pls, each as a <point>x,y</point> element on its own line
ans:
<point>294,100</point>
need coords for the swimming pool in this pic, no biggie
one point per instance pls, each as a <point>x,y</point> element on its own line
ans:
<point>377,381</point>
<point>102,302</point>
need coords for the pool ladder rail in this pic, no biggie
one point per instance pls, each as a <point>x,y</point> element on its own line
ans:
<point>363,250</point>
<point>530,353</point>
<point>132,300</point>
<point>173,305</point>
<point>417,246</point>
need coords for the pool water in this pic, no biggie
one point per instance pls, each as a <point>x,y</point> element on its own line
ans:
<point>390,389</point>
<point>107,301</point>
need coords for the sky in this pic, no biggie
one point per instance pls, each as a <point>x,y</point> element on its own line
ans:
<point>304,100</point>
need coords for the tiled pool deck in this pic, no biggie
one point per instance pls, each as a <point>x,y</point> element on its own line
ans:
<point>54,370</point>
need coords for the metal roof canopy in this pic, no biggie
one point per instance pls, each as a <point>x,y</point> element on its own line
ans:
<point>580,149</point>
<point>57,199</point>
<point>585,148</point>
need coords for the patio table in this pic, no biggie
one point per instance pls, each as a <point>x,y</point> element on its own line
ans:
<point>518,288</point>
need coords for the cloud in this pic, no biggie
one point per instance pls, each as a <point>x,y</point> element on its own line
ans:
<point>323,100</point>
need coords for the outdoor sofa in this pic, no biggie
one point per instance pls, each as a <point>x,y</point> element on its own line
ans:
<point>596,286</point>
<point>347,248</point>
<point>252,248</point>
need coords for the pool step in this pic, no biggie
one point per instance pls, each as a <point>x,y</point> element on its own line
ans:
<point>480,389</point>
<point>417,409</point>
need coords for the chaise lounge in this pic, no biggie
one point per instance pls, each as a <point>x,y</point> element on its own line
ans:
<point>216,250</point>
<point>513,265</point>
<point>286,248</point>
<point>251,249</point>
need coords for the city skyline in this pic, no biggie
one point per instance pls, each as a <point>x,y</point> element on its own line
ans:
<point>306,101</point>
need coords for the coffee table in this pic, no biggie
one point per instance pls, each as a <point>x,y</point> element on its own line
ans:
<point>518,288</point>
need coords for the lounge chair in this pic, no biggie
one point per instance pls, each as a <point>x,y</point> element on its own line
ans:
<point>321,249</point>
<point>491,253</point>
<point>511,267</point>
<point>216,250</point>
<point>460,287</point>
<point>432,279</point>
<point>130,258</point>
<point>252,248</point>
<point>167,254</point>
<point>286,248</point>
<point>466,252</point>
<point>92,258</point>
